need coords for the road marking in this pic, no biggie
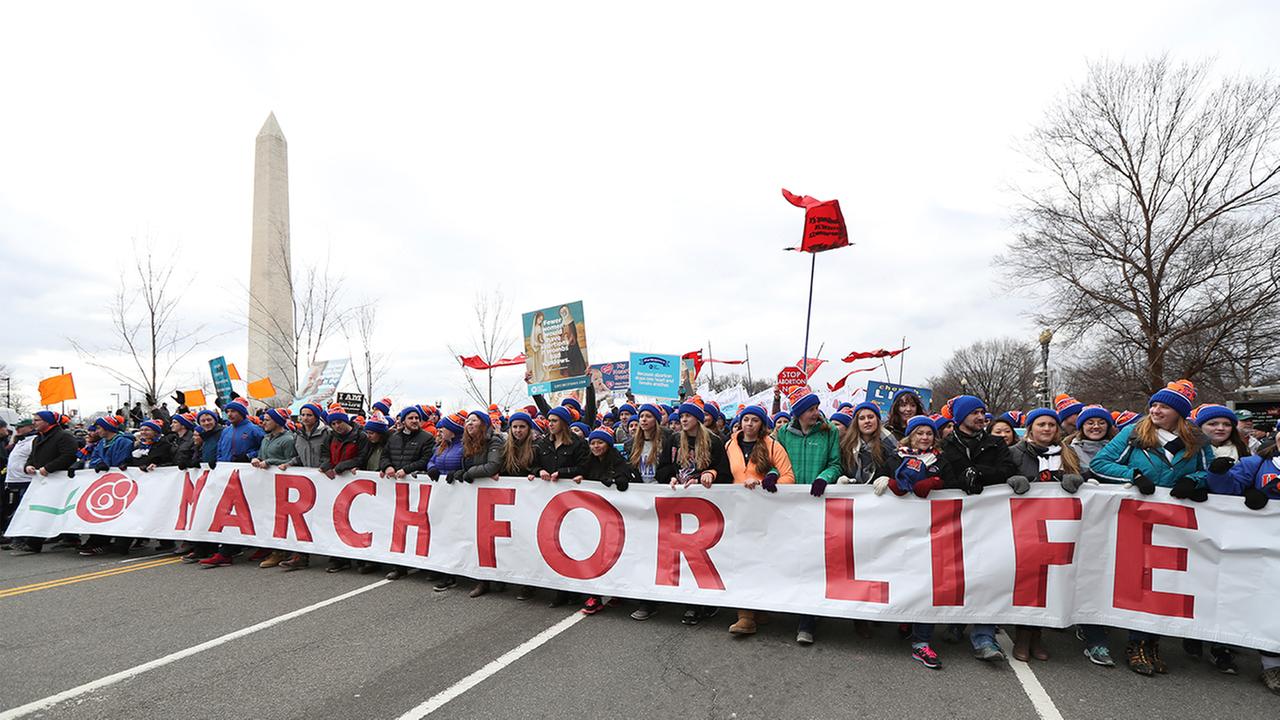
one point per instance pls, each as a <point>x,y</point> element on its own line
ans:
<point>50,584</point>
<point>1036,693</point>
<point>48,702</point>
<point>153,556</point>
<point>438,700</point>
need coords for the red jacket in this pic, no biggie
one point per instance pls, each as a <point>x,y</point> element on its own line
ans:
<point>345,450</point>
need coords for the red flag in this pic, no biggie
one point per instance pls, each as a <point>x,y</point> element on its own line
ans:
<point>810,366</point>
<point>475,362</point>
<point>875,354</point>
<point>724,362</point>
<point>696,357</point>
<point>840,383</point>
<point>824,227</point>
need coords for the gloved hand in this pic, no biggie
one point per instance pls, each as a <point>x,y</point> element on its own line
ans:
<point>1144,484</point>
<point>1221,465</point>
<point>1183,488</point>
<point>1072,482</point>
<point>926,486</point>
<point>972,481</point>
<point>770,482</point>
<point>101,467</point>
<point>844,480</point>
<point>453,476</point>
<point>464,476</point>
<point>213,463</point>
<point>123,466</point>
<point>818,487</point>
<point>434,474</point>
<point>1255,499</point>
<point>1019,483</point>
<point>622,484</point>
<point>879,485</point>
<point>71,472</point>
<point>1200,494</point>
<point>182,466</point>
<point>240,458</point>
<point>607,482</point>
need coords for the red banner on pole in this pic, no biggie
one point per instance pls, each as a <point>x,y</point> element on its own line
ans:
<point>874,354</point>
<point>824,227</point>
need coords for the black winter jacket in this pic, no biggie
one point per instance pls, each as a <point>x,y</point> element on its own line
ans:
<point>488,462</point>
<point>608,468</point>
<point>989,458</point>
<point>666,465</point>
<point>54,450</point>
<point>160,453</point>
<point>566,459</point>
<point>408,451</point>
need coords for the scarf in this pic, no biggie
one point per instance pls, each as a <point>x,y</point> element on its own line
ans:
<point>1050,460</point>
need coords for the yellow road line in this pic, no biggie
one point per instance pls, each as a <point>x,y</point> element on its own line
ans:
<point>50,584</point>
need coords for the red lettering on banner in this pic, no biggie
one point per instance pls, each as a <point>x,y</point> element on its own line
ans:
<point>838,539</point>
<point>613,534</point>
<point>1032,551</point>
<point>293,510</point>
<point>405,518</point>
<point>342,513</point>
<point>487,527</point>
<point>233,508</point>
<point>1137,558</point>
<point>946,545</point>
<point>190,496</point>
<point>694,546</point>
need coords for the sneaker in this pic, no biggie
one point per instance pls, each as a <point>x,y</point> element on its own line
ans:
<point>215,560</point>
<point>804,637</point>
<point>481,588</point>
<point>690,617</point>
<point>988,652</point>
<point>397,573</point>
<point>642,613</point>
<point>192,557</point>
<point>525,592</point>
<point>337,565</point>
<point>1224,660</point>
<point>1139,658</point>
<point>94,551</point>
<point>592,606</point>
<point>273,559</point>
<point>444,583</point>
<point>297,561</point>
<point>926,656</point>
<point>1271,679</point>
<point>1099,655</point>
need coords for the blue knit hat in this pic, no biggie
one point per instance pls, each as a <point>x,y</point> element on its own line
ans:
<point>378,424</point>
<point>155,426</point>
<point>582,427</point>
<point>383,406</point>
<point>866,406</point>
<point>652,409</point>
<point>627,407</point>
<point>572,402</point>
<point>919,421</point>
<point>693,409</point>
<point>603,434</point>
<point>1205,413</point>
<point>1091,412</point>
<point>48,416</point>
<point>410,410</point>
<point>962,406</point>
<point>279,416</point>
<point>237,405</point>
<point>940,421</point>
<point>1013,417</point>
<point>842,418</point>
<point>482,416</point>
<point>109,423</point>
<point>1179,395</point>
<point>802,405</point>
<point>561,412</point>
<point>337,416</point>
<point>210,413</point>
<point>1039,413</point>
<point>314,408</point>
<point>714,411</point>
<point>1066,407</point>
<point>520,416</point>
<point>758,412</point>
<point>184,419</point>
<point>453,425</point>
<point>781,415</point>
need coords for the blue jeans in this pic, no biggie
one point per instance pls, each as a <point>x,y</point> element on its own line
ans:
<point>1094,635</point>
<point>981,635</point>
<point>921,633</point>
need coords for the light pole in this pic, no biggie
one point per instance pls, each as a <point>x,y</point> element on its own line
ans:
<point>1046,394</point>
<point>61,371</point>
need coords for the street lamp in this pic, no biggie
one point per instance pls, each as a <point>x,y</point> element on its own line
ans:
<point>1046,394</point>
<point>61,371</point>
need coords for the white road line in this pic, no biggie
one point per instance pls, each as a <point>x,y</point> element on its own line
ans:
<point>1036,693</point>
<point>438,700</point>
<point>46,703</point>
<point>155,556</point>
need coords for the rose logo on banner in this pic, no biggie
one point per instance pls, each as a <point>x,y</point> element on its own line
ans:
<point>107,498</point>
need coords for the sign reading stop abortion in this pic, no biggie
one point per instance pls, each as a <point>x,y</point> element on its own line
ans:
<point>792,382</point>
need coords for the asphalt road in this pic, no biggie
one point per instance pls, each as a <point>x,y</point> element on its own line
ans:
<point>66,621</point>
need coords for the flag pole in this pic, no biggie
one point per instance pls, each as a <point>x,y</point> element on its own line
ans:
<point>711,356</point>
<point>748,350</point>
<point>902,359</point>
<point>813,265</point>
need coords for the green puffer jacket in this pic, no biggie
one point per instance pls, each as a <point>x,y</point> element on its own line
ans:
<point>815,454</point>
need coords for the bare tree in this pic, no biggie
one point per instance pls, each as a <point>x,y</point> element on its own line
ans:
<point>14,398</point>
<point>369,367</point>
<point>492,341</point>
<point>1154,237</point>
<point>724,381</point>
<point>150,332</point>
<point>318,312</point>
<point>1000,371</point>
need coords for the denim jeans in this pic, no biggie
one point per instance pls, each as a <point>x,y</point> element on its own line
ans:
<point>921,633</point>
<point>981,635</point>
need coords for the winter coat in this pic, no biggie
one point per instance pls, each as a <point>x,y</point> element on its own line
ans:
<point>1117,462</point>
<point>608,468</point>
<point>54,450</point>
<point>1252,471</point>
<point>209,444</point>
<point>311,450</point>
<point>566,459</point>
<point>372,457</point>
<point>744,471</point>
<point>717,463</point>
<point>1085,450</point>
<point>345,451</point>
<point>239,442</point>
<point>865,468</point>
<point>1027,457</point>
<point>989,457</point>
<point>408,451</point>
<point>16,462</point>
<point>446,460</point>
<point>665,465</point>
<point>815,454</point>
<point>278,449</point>
<point>489,461</point>
<point>112,453</point>
<point>159,453</point>
<point>185,454</point>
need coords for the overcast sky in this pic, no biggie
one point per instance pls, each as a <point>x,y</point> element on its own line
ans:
<point>630,158</point>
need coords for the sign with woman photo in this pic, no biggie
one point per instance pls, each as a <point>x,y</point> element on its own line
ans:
<point>555,345</point>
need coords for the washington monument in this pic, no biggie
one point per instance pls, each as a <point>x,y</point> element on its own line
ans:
<point>272,342</point>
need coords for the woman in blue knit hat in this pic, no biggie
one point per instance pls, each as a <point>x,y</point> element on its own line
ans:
<point>1094,429</point>
<point>559,456</point>
<point>605,465</point>
<point>866,451</point>
<point>700,459</point>
<point>905,405</point>
<point>1162,449</point>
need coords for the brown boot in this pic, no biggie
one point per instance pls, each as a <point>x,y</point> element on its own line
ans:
<point>746,624</point>
<point>1037,649</point>
<point>1022,644</point>
<point>274,559</point>
<point>481,588</point>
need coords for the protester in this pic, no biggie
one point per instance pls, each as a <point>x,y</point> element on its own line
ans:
<point>239,441</point>
<point>866,452</point>
<point>408,449</point>
<point>279,448</point>
<point>559,456</point>
<point>52,449</point>
<point>481,459</point>
<point>16,479</point>
<point>1005,427</point>
<point>447,460</point>
<point>905,405</point>
<point>605,465</point>
<point>1094,429</point>
<point>1067,408</point>
<point>346,453</point>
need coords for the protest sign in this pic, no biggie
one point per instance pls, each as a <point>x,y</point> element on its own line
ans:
<point>654,375</point>
<point>322,382</point>
<point>610,378</point>
<point>791,381</point>
<point>881,393</point>
<point>555,348</point>
<point>353,403</point>
<point>221,380</point>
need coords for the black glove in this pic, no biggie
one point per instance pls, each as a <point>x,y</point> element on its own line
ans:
<point>101,467</point>
<point>622,484</point>
<point>182,465</point>
<point>1221,465</point>
<point>1254,499</point>
<point>1143,483</point>
<point>972,481</point>
<point>770,482</point>
<point>1200,494</point>
<point>433,473</point>
<point>240,458</point>
<point>453,476</point>
<point>213,463</point>
<point>464,476</point>
<point>71,472</point>
<point>818,487</point>
<point>607,482</point>
<point>1183,488</point>
<point>123,466</point>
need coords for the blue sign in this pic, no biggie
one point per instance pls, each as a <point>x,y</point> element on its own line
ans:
<point>881,393</point>
<point>655,376</point>
<point>221,379</point>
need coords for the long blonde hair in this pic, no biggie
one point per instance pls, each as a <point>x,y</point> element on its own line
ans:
<point>517,456</point>
<point>851,442</point>
<point>762,453</point>
<point>700,454</point>
<point>1145,437</point>
<point>637,444</point>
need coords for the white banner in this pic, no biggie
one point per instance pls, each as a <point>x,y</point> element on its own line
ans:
<point>1107,556</point>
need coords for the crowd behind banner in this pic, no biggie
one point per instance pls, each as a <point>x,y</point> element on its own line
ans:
<point>1192,450</point>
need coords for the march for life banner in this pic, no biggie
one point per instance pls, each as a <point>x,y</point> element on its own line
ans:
<point>555,348</point>
<point>1107,556</point>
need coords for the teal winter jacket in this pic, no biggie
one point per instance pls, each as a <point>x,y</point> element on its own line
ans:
<point>1116,462</point>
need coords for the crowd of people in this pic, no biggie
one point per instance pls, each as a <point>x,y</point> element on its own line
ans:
<point>1193,450</point>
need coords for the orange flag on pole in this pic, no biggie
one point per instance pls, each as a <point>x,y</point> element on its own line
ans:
<point>233,374</point>
<point>193,398</point>
<point>261,389</point>
<point>56,389</point>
